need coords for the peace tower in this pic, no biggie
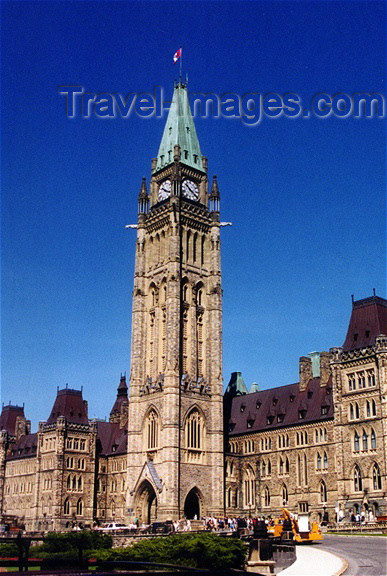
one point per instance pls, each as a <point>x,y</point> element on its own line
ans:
<point>175,436</point>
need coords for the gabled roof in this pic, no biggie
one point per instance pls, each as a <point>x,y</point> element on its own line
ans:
<point>368,320</point>
<point>25,447</point>
<point>281,407</point>
<point>180,130</point>
<point>111,439</point>
<point>8,418</point>
<point>70,404</point>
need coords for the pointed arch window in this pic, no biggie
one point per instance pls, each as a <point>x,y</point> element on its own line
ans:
<point>66,507</point>
<point>266,497</point>
<point>287,466</point>
<point>284,495</point>
<point>357,479</point>
<point>80,507</point>
<point>376,477</point>
<point>365,440</point>
<point>373,439</point>
<point>318,461</point>
<point>356,442</point>
<point>248,487</point>
<point>323,492</point>
<point>195,436</point>
<point>152,431</point>
<point>325,461</point>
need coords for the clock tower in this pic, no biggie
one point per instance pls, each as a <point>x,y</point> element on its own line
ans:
<point>175,437</point>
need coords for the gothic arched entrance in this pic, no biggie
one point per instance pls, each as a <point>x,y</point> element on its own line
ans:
<point>192,504</point>
<point>146,503</point>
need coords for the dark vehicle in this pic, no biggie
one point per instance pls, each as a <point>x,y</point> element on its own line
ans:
<point>160,528</point>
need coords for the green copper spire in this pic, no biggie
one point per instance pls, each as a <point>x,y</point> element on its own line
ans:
<point>180,130</point>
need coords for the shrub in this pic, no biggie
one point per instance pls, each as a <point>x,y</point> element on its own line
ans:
<point>8,550</point>
<point>195,550</point>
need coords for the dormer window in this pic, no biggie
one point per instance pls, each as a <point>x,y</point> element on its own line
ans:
<point>258,404</point>
<point>301,414</point>
<point>243,407</point>
<point>275,401</point>
<point>280,418</point>
<point>269,419</point>
<point>355,336</point>
<point>195,157</point>
<point>186,154</point>
<point>310,393</point>
<point>324,410</point>
<point>292,397</point>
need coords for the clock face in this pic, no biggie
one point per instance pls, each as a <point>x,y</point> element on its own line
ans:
<point>190,190</point>
<point>165,190</point>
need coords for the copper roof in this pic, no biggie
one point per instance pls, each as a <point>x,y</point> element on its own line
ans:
<point>8,418</point>
<point>111,439</point>
<point>368,320</point>
<point>25,447</point>
<point>70,404</point>
<point>281,407</point>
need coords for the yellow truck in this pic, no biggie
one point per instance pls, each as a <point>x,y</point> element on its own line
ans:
<point>303,530</point>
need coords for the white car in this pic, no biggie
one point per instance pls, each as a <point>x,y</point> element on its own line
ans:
<point>113,527</point>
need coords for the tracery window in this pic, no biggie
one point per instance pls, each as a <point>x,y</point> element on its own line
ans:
<point>365,440</point>
<point>195,436</point>
<point>248,487</point>
<point>284,495</point>
<point>152,431</point>
<point>80,507</point>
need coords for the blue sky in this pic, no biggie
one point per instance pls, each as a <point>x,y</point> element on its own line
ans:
<point>306,196</point>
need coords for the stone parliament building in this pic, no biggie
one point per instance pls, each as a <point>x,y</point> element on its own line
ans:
<point>176,445</point>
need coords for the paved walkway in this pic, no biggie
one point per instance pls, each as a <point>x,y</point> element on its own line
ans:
<point>311,560</point>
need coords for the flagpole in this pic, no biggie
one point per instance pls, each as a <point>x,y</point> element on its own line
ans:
<point>181,64</point>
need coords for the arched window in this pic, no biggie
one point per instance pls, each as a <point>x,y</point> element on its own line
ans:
<point>318,461</point>
<point>287,467</point>
<point>356,442</point>
<point>284,495</point>
<point>66,507</point>
<point>80,507</point>
<point>325,460</point>
<point>79,483</point>
<point>373,439</point>
<point>281,466</point>
<point>266,497</point>
<point>357,479</point>
<point>268,467</point>
<point>248,487</point>
<point>365,440</point>
<point>194,435</point>
<point>376,477</point>
<point>373,408</point>
<point>351,412</point>
<point>152,431</point>
<point>69,482</point>
<point>263,468</point>
<point>323,492</point>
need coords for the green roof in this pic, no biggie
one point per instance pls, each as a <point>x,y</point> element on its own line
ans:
<point>236,386</point>
<point>180,129</point>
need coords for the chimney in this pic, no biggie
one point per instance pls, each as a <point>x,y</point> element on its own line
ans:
<point>306,372</point>
<point>325,370</point>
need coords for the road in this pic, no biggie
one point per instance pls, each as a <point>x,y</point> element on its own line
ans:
<point>366,555</point>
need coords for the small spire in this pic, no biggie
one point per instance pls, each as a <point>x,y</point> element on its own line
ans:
<point>214,197</point>
<point>143,198</point>
<point>214,188</point>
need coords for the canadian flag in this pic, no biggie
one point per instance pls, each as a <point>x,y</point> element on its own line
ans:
<point>177,55</point>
